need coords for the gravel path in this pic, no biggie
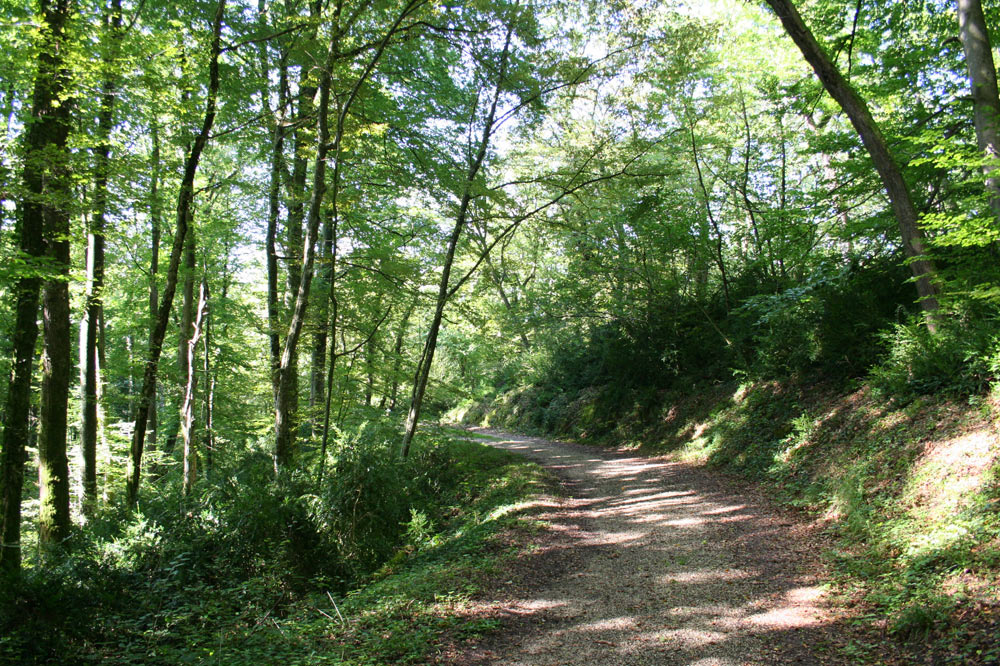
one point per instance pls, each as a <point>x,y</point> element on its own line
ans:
<point>650,561</point>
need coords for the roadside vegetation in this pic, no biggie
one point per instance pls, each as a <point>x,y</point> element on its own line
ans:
<point>901,466</point>
<point>377,565</point>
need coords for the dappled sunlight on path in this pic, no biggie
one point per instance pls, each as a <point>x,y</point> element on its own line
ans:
<point>660,564</point>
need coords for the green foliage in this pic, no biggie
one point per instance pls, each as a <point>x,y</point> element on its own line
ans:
<point>237,575</point>
<point>828,323</point>
<point>962,356</point>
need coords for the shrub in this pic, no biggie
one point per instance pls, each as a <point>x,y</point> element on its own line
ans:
<point>962,356</point>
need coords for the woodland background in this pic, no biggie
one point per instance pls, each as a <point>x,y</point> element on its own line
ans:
<point>246,247</point>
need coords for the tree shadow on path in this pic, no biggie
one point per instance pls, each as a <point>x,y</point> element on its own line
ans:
<point>656,562</point>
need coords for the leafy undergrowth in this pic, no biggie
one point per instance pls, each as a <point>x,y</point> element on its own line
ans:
<point>910,491</point>
<point>98,610</point>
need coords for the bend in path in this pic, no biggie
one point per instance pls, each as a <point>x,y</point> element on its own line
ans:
<point>650,561</point>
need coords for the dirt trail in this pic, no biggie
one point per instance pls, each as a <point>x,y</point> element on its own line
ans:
<point>656,562</point>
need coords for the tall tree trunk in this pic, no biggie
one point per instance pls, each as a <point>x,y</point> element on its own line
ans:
<point>274,211</point>
<point>186,324</point>
<point>331,368</point>
<point>303,138</point>
<point>184,202</point>
<point>89,326</point>
<point>284,403</point>
<point>47,131</point>
<point>190,464</point>
<point>185,334</point>
<point>320,336</point>
<point>871,136</point>
<point>45,136</point>
<point>397,350</point>
<point>208,406</point>
<point>57,366</point>
<point>975,40</point>
<point>427,357</point>
<point>154,268</point>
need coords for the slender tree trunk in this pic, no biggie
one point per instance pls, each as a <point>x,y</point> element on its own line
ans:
<point>397,349</point>
<point>285,404</point>
<point>190,465</point>
<point>185,366</point>
<point>329,383</point>
<point>185,330</point>
<point>184,201</point>
<point>719,258</point>
<point>861,118</point>
<point>975,38</point>
<point>286,395</point>
<point>89,326</point>
<point>427,357</point>
<point>274,211</point>
<point>154,267</point>
<point>318,367</point>
<point>208,406</point>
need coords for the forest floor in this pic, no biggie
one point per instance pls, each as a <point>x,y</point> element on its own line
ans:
<point>651,561</point>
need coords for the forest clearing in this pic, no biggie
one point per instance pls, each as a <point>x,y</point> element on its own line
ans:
<point>259,260</point>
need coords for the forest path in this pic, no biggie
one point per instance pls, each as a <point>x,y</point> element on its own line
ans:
<point>649,561</point>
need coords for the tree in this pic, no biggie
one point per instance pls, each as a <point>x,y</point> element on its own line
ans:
<point>185,199</point>
<point>444,284</point>
<point>91,326</point>
<point>975,38</point>
<point>885,163</point>
<point>53,466</point>
<point>285,405</point>
<point>45,186</point>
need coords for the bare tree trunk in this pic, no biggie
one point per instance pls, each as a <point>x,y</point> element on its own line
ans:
<point>427,357</point>
<point>92,320</point>
<point>208,406</point>
<point>318,366</point>
<point>154,267</point>
<point>190,465</point>
<point>871,136</point>
<point>184,201</point>
<point>185,331</point>
<point>45,186</point>
<point>975,38</point>
<point>274,210</point>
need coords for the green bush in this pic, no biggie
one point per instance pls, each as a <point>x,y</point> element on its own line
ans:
<point>247,546</point>
<point>829,322</point>
<point>961,356</point>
